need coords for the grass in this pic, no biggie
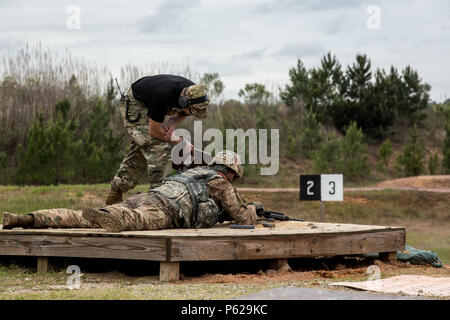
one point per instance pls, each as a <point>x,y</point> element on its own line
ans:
<point>22,283</point>
<point>30,198</point>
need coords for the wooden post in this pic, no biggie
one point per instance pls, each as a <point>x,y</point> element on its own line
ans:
<point>42,264</point>
<point>169,271</point>
<point>322,211</point>
<point>278,263</point>
<point>388,256</point>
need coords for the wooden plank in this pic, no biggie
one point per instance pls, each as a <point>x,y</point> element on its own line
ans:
<point>169,271</point>
<point>388,256</point>
<point>282,229</point>
<point>84,247</point>
<point>189,249</point>
<point>42,264</point>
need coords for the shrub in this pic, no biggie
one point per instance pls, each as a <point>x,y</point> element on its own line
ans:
<point>385,153</point>
<point>311,135</point>
<point>353,153</point>
<point>343,155</point>
<point>328,158</point>
<point>410,161</point>
<point>433,164</point>
<point>446,151</point>
<point>255,94</point>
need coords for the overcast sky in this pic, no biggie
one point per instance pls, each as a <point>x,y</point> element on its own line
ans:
<point>244,41</point>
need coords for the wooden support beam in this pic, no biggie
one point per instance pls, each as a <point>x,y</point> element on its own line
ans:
<point>42,264</point>
<point>289,246</point>
<point>388,256</point>
<point>278,263</point>
<point>169,271</point>
<point>138,248</point>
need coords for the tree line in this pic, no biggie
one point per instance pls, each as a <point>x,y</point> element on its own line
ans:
<point>68,129</point>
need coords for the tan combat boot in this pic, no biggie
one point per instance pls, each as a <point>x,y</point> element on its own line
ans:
<point>11,220</point>
<point>104,219</point>
<point>114,196</point>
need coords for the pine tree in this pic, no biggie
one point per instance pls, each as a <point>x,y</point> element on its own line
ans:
<point>446,150</point>
<point>214,86</point>
<point>353,153</point>
<point>385,153</point>
<point>99,151</point>
<point>49,153</point>
<point>311,135</point>
<point>433,164</point>
<point>411,160</point>
<point>328,158</point>
<point>3,163</point>
<point>255,94</point>
<point>298,87</point>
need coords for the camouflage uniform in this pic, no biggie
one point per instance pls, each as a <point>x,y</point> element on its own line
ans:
<point>140,212</point>
<point>60,218</point>
<point>145,151</point>
<point>168,206</point>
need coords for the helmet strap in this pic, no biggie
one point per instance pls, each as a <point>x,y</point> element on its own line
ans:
<point>223,175</point>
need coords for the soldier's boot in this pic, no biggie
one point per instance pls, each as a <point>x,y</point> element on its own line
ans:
<point>114,196</point>
<point>11,220</point>
<point>104,219</point>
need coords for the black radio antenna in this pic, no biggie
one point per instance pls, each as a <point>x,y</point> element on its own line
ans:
<point>120,91</point>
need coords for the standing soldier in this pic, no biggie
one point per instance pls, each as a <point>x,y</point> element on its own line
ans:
<point>144,108</point>
<point>195,198</point>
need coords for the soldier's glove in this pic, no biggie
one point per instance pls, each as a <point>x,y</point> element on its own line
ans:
<point>259,207</point>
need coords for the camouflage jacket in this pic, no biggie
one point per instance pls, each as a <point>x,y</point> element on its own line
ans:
<point>200,197</point>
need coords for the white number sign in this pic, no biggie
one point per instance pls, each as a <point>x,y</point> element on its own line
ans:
<point>332,187</point>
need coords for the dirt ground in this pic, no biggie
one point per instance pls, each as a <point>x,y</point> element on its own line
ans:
<point>437,182</point>
<point>334,271</point>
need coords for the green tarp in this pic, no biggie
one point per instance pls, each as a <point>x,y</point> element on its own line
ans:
<point>415,256</point>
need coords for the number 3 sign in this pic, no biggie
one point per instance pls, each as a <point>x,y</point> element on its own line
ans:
<point>324,187</point>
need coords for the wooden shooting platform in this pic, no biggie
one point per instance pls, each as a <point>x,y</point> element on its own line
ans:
<point>289,239</point>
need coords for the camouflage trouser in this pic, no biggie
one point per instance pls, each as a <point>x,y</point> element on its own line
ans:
<point>60,218</point>
<point>145,152</point>
<point>137,213</point>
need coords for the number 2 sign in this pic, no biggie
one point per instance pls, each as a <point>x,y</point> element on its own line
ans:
<point>324,187</point>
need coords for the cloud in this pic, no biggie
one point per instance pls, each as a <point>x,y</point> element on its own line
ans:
<point>11,43</point>
<point>169,15</point>
<point>245,41</point>
<point>225,68</point>
<point>298,50</point>
<point>252,54</point>
<point>306,5</point>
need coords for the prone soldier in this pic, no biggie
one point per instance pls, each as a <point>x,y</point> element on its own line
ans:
<point>196,198</point>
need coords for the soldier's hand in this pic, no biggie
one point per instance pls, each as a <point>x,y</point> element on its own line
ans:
<point>169,130</point>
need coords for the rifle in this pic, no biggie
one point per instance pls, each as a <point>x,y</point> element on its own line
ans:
<point>267,216</point>
<point>275,216</point>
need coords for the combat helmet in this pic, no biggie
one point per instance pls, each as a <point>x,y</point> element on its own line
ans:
<point>229,159</point>
<point>196,98</point>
